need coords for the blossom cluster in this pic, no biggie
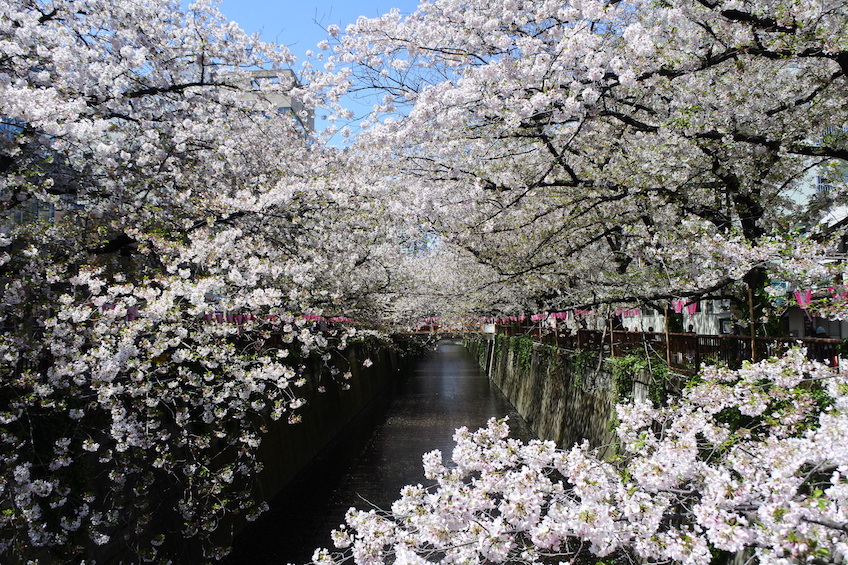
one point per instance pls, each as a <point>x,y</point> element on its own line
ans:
<point>599,152</point>
<point>519,152</point>
<point>174,192</point>
<point>753,458</point>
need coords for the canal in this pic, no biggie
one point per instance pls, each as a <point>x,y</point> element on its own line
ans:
<point>444,390</point>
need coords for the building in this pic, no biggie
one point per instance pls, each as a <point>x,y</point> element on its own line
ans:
<point>282,100</point>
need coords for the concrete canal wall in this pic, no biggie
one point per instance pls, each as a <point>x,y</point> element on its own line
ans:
<point>565,396</point>
<point>286,449</point>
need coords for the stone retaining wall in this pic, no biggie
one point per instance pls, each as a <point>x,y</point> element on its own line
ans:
<point>565,396</point>
<point>286,448</point>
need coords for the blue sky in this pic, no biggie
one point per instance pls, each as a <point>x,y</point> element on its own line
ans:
<point>293,23</point>
<point>300,26</point>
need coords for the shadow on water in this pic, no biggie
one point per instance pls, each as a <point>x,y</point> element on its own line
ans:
<point>376,456</point>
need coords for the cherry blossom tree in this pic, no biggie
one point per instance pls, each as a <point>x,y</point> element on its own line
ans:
<point>750,459</point>
<point>593,151</point>
<point>201,246</point>
<point>202,239</point>
<point>444,282</point>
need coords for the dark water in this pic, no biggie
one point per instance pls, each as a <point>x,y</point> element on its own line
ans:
<point>445,390</point>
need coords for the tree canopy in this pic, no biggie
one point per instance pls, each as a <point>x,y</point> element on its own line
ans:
<point>619,151</point>
<point>518,155</point>
<point>170,301</point>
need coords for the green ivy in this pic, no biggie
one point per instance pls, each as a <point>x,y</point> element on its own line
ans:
<point>552,353</point>
<point>479,347</point>
<point>629,366</point>
<point>580,360</point>
<point>522,349</point>
<point>658,387</point>
<point>624,370</point>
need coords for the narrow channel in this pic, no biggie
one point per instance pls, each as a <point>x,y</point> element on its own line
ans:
<point>444,390</point>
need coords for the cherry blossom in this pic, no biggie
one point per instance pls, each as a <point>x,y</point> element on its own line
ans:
<point>607,152</point>
<point>744,459</point>
<point>177,250</point>
<point>168,311</point>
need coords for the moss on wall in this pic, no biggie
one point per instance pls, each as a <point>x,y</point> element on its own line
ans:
<point>563,395</point>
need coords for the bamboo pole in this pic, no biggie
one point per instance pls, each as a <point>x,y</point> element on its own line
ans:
<point>612,341</point>
<point>556,332</point>
<point>667,340</point>
<point>753,327</point>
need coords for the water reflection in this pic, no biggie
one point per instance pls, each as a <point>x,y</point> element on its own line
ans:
<point>445,390</point>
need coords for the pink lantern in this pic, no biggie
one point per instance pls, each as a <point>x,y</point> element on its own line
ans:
<point>803,297</point>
